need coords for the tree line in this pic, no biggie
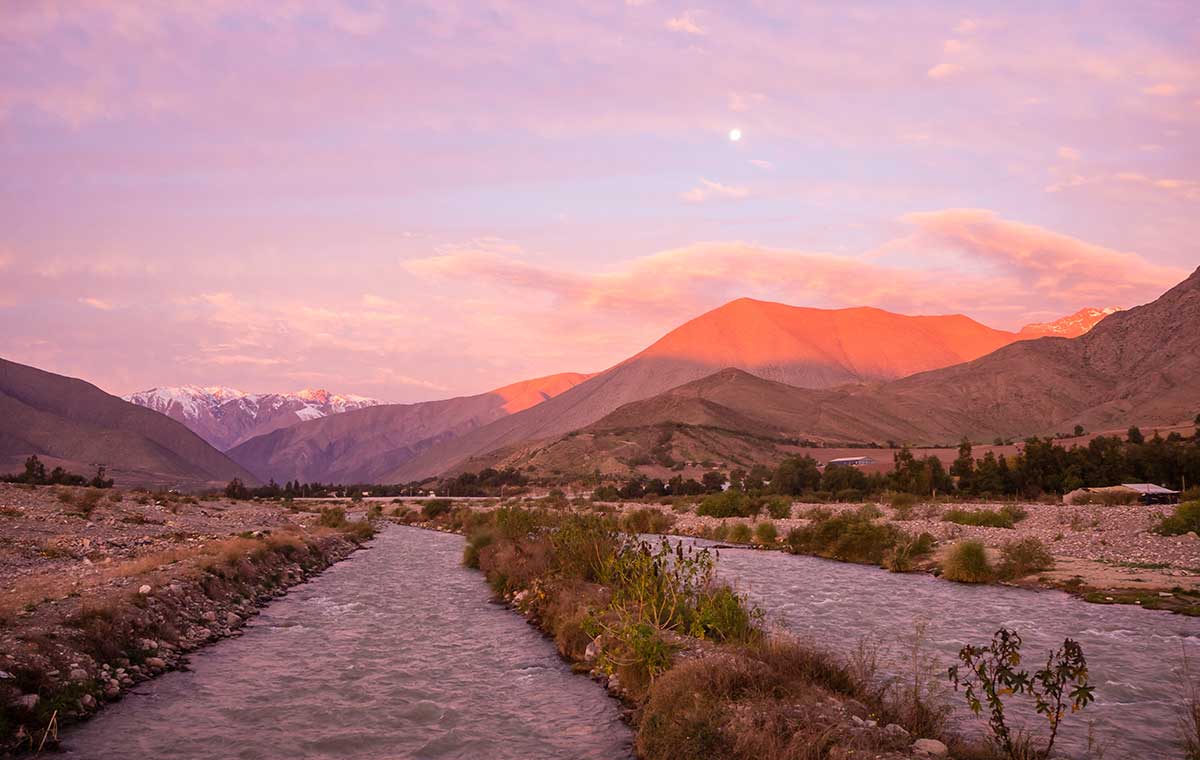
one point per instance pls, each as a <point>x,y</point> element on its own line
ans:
<point>35,474</point>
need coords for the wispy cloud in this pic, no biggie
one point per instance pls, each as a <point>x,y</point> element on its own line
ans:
<point>97,303</point>
<point>944,70</point>
<point>709,190</point>
<point>687,22</point>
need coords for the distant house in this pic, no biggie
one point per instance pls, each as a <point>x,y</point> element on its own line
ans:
<point>1129,493</point>
<point>850,462</point>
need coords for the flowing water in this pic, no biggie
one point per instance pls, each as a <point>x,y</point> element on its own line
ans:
<point>1133,655</point>
<point>398,653</point>
<point>394,653</point>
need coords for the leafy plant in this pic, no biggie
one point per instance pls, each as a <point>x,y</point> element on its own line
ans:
<point>989,674</point>
<point>967,562</point>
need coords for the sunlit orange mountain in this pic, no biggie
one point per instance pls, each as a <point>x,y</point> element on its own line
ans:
<point>1071,326</point>
<point>802,347</point>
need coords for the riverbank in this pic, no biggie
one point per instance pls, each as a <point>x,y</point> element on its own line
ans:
<point>1102,554</point>
<point>100,590</point>
<point>688,655</point>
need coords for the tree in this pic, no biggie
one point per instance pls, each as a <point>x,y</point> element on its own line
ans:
<point>713,481</point>
<point>795,475</point>
<point>35,471</point>
<point>1135,435</point>
<point>1079,431</point>
<point>963,467</point>
<point>236,489</point>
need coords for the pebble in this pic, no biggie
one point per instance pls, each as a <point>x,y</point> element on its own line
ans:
<point>145,589</point>
<point>156,663</point>
<point>28,701</point>
<point>87,702</point>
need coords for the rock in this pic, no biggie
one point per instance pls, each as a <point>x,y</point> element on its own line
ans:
<point>593,651</point>
<point>930,748</point>
<point>112,690</point>
<point>145,589</point>
<point>156,663</point>
<point>210,616</point>
<point>28,701</point>
<point>87,702</point>
<point>895,731</point>
<point>79,674</point>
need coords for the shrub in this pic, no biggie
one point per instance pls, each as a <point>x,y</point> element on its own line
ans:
<point>1022,557</point>
<point>779,508</point>
<point>431,509</point>
<point>332,517</point>
<point>901,500</point>
<point>849,495</point>
<point>851,537</point>
<point>740,533</point>
<point>765,533</point>
<point>990,673</point>
<point>647,520</point>
<point>1006,517</point>
<point>967,562</point>
<point>1185,519</point>
<point>728,504</point>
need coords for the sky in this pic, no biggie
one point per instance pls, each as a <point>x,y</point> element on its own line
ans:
<point>414,200</point>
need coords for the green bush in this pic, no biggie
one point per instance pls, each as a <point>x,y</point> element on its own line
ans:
<point>647,520</point>
<point>729,504</point>
<point>431,509</point>
<point>779,508</point>
<point>849,495</point>
<point>740,533</point>
<point>1023,557</point>
<point>765,533</point>
<point>1006,517</point>
<point>852,537</point>
<point>967,562</point>
<point>1186,519</point>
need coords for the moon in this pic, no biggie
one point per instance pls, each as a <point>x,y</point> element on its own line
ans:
<point>735,134</point>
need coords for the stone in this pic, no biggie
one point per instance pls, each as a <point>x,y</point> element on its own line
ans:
<point>210,616</point>
<point>156,663</point>
<point>895,731</point>
<point>930,748</point>
<point>87,702</point>
<point>79,674</point>
<point>28,701</point>
<point>593,651</point>
<point>233,620</point>
<point>145,589</point>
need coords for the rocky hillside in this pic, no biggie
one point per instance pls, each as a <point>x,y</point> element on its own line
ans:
<point>74,424</point>
<point>226,417</point>
<point>1140,366</point>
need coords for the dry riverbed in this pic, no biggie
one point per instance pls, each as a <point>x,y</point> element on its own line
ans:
<point>102,589</point>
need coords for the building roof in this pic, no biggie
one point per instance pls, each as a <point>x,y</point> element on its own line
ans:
<point>843,460</point>
<point>1147,488</point>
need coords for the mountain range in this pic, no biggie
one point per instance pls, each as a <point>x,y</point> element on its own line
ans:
<point>366,444</point>
<point>796,346</point>
<point>754,370</point>
<point>73,424</point>
<point>226,417</point>
<point>1140,366</point>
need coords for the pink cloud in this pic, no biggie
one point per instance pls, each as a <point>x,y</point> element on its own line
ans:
<point>1052,264</point>
<point>686,22</point>
<point>709,190</point>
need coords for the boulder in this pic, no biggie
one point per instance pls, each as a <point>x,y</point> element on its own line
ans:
<point>28,701</point>
<point>79,674</point>
<point>930,748</point>
<point>156,663</point>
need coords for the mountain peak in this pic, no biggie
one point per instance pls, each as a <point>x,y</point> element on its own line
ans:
<point>1071,326</point>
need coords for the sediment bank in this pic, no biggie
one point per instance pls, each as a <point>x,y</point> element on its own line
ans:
<point>86,613</point>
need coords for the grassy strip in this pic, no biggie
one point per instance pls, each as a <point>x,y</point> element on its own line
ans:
<point>689,654</point>
<point>71,658</point>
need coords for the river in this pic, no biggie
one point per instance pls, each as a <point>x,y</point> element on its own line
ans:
<point>1133,654</point>
<point>396,652</point>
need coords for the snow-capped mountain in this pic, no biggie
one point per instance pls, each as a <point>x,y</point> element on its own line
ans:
<point>226,417</point>
<point>1068,327</point>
